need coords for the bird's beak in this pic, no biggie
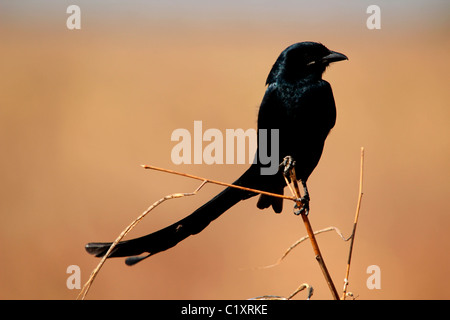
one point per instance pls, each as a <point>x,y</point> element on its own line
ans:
<point>334,56</point>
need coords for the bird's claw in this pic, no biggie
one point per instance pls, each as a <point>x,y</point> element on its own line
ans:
<point>304,208</point>
<point>288,163</point>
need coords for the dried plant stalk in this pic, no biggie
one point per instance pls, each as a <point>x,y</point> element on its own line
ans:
<point>309,230</point>
<point>218,182</point>
<point>302,287</point>
<point>296,243</point>
<point>358,206</point>
<point>94,273</point>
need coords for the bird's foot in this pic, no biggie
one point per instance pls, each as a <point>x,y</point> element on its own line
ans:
<point>288,163</point>
<point>304,208</point>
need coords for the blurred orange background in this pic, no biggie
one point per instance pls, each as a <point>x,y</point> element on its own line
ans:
<point>81,110</point>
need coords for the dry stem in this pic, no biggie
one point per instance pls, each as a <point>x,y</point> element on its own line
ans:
<point>94,273</point>
<point>358,206</point>
<point>310,232</point>
<point>302,287</point>
<point>295,244</point>
<point>218,182</point>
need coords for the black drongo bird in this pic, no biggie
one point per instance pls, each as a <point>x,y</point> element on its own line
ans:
<point>297,102</point>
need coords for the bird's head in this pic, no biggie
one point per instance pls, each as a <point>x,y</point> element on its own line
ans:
<point>302,61</point>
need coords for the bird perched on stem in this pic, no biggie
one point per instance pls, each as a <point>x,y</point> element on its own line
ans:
<point>299,105</point>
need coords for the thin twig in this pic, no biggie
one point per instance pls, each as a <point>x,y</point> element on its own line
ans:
<point>302,287</point>
<point>94,273</point>
<point>310,232</point>
<point>358,206</point>
<point>218,182</point>
<point>295,244</point>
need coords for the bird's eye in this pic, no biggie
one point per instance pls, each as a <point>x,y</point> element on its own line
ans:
<point>310,63</point>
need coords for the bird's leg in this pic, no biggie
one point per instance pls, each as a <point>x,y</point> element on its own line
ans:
<point>288,163</point>
<point>304,200</point>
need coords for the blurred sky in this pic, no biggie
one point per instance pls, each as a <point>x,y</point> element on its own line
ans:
<point>406,13</point>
